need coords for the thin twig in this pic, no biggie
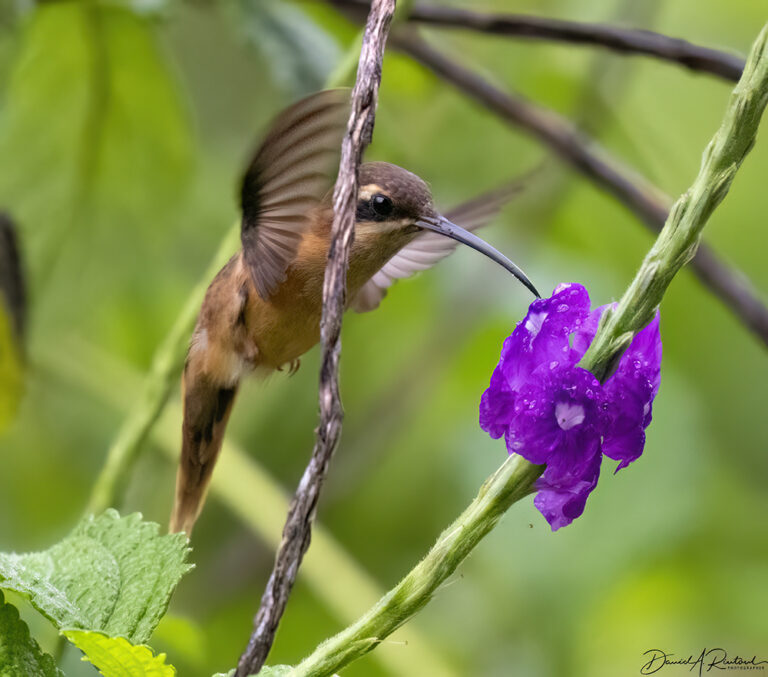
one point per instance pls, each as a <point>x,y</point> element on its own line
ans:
<point>631,189</point>
<point>298,525</point>
<point>615,38</point>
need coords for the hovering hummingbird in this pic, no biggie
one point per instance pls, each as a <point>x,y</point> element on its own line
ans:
<point>262,310</point>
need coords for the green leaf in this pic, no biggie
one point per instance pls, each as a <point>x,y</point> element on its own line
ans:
<point>111,574</point>
<point>94,122</point>
<point>19,653</point>
<point>117,657</point>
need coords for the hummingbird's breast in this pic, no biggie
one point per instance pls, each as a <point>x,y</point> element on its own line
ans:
<point>287,325</point>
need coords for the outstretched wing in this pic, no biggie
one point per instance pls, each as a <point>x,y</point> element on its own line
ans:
<point>292,170</point>
<point>429,247</point>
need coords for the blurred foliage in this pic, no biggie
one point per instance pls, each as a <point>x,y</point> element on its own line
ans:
<point>123,130</point>
<point>11,371</point>
<point>13,310</point>
<point>299,53</point>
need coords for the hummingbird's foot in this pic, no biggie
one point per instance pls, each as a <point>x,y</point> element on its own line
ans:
<point>293,366</point>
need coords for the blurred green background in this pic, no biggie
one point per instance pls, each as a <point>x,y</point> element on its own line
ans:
<point>124,127</point>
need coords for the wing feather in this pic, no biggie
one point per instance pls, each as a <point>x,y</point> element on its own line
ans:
<point>292,170</point>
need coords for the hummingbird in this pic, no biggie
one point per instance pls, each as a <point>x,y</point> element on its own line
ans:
<point>262,311</point>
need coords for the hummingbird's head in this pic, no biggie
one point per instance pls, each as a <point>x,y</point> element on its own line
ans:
<point>394,207</point>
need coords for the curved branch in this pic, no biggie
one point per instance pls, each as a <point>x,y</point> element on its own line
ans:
<point>297,531</point>
<point>636,193</point>
<point>618,39</point>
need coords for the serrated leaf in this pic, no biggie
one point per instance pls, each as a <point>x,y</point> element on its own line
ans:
<point>117,657</point>
<point>111,574</point>
<point>19,653</point>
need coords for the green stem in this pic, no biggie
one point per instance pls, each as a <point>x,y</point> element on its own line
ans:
<point>674,247</point>
<point>511,482</point>
<point>158,385</point>
<point>679,239</point>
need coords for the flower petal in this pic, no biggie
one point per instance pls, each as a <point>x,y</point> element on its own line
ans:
<point>559,418</point>
<point>631,390</point>
<point>497,406</point>
<point>552,412</point>
<point>542,337</point>
<point>584,334</point>
<point>562,500</point>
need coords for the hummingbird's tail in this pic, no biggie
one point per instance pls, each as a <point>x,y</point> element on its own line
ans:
<point>207,406</point>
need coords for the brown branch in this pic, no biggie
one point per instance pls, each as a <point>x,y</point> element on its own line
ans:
<point>298,526</point>
<point>615,38</point>
<point>632,190</point>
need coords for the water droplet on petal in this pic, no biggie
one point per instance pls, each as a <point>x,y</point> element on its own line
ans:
<point>562,308</point>
<point>553,364</point>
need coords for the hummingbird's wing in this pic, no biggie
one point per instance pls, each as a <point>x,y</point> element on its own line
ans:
<point>430,247</point>
<point>292,170</point>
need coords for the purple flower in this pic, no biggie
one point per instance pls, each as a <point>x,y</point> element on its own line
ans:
<point>552,412</point>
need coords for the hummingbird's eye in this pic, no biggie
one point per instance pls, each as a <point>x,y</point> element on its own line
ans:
<point>381,204</point>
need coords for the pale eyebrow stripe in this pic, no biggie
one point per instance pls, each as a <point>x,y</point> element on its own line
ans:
<point>369,190</point>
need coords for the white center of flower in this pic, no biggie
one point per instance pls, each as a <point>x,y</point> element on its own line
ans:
<point>534,322</point>
<point>569,415</point>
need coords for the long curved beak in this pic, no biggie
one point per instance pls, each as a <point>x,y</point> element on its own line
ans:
<point>440,224</point>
